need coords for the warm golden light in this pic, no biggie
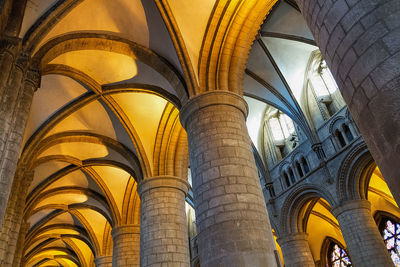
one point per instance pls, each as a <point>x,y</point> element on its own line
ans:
<point>104,67</point>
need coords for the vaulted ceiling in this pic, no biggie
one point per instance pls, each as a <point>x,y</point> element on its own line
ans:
<point>105,117</point>
<point>114,76</point>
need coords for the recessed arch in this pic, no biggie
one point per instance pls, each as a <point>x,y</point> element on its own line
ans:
<point>295,202</point>
<point>354,173</point>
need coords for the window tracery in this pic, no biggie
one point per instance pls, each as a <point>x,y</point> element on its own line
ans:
<point>337,256</point>
<point>279,135</point>
<point>390,231</point>
<point>322,94</point>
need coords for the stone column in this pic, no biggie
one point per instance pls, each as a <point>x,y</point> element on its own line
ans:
<point>296,251</point>
<point>364,242</point>
<point>15,101</point>
<point>18,255</point>
<point>231,215</point>
<point>164,235</point>
<point>126,249</point>
<point>360,42</point>
<point>103,261</point>
<point>14,228</point>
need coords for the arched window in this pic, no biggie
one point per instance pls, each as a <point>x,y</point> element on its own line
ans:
<point>340,137</point>
<point>324,98</point>
<point>281,126</point>
<point>390,231</point>
<point>305,165</point>
<point>348,133</point>
<point>287,182</point>
<point>299,170</point>
<point>337,256</point>
<point>279,132</point>
<point>291,174</point>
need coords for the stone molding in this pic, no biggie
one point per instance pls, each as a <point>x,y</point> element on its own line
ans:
<point>163,182</point>
<point>125,230</point>
<point>351,205</point>
<point>348,174</point>
<point>210,99</point>
<point>292,237</point>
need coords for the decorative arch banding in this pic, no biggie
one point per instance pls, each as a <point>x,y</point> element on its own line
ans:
<point>296,201</point>
<point>354,173</point>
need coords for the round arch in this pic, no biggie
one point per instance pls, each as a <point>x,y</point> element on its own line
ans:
<point>296,201</point>
<point>354,174</point>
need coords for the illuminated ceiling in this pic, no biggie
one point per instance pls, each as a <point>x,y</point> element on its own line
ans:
<point>104,118</point>
<point>106,115</point>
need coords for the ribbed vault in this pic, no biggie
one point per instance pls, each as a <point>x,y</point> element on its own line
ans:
<point>114,76</point>
<point>105,118</point>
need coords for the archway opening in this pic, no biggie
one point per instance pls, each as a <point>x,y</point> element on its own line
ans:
<point>325,238</point>
<point>386,214</point>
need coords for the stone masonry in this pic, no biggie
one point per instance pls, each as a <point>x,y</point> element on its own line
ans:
<point>164,233</point>
<point>126,249</point>
<point>360,41</point>
<point>103,261</point>
<point>296,251</point>
<point>363,240</point>
<point>12,214</point>
<point>231,216</point>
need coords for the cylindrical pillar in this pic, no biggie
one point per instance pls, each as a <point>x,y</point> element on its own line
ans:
<point>360,41</point>
<point>364,242</point>
<point>103,261</point>
<point>164,234</point>
<point>19,251</point>
<point>126,245</point>
<point>296,250</point>
<point>13,230</point>
<point>231,215</point>
<point>15,101</point>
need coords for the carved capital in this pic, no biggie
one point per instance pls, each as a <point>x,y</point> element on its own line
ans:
<point>22,61</point>
<point>33,77</point>
<point>10,45</point>
<point>319,150</point>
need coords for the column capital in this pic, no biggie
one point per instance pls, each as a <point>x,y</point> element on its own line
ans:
<point>212,98</point>
<point>10,44</point>
<point>22,61</point>
<point>125,230</point>
<point>163,182</point>
<point>33,76</point>
<point>292,237</point>
<point>351,205</point>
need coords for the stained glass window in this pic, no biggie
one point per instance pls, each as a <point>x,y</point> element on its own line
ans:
<point>337,256</point>
<point>391,236</point>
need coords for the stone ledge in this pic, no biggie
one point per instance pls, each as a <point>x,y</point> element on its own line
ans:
<point>125,229</point>
<point>351,205</point>
<point>212,98</point>
<point>103,260</point>
<point>163,182</point>
<point>292,237</point>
